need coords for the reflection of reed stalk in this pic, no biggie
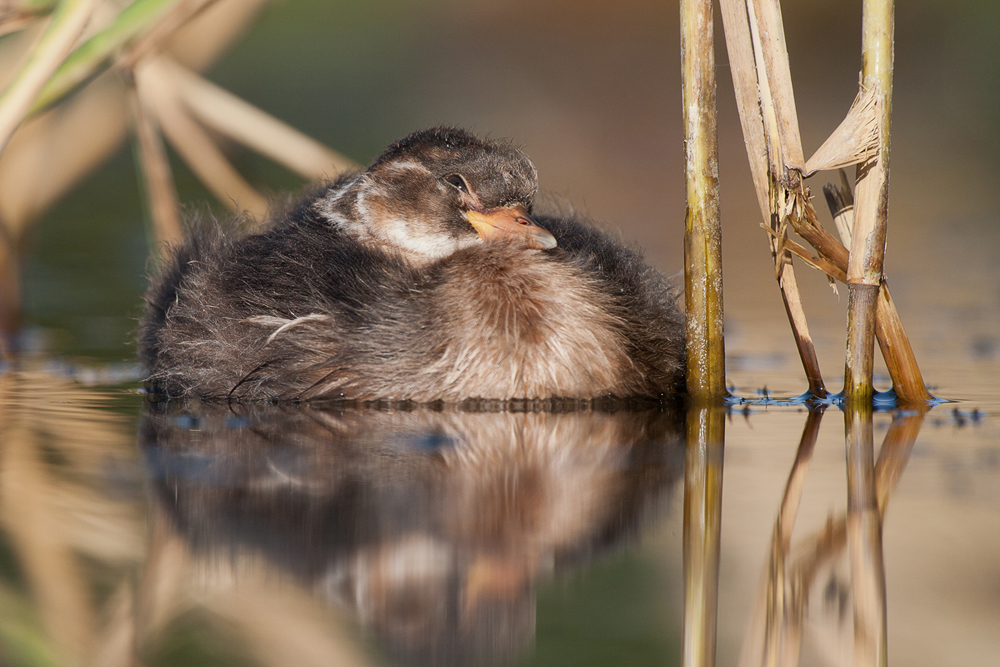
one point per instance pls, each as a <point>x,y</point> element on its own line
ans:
<point>774,636</point>
<point>706,433</point>
<point>56,439</point>
<point>864,541</point>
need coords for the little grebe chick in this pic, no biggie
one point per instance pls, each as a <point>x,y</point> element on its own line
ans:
<point>423,278</point>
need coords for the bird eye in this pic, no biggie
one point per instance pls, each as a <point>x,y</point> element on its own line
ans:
<point>457,181</point>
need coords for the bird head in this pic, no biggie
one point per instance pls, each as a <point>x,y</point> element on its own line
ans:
<point>441,190</point>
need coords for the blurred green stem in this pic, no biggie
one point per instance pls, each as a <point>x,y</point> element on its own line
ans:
<point>55,44</point>
<point>90,56</point>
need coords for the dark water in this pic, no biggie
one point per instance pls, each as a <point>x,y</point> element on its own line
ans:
<point>138,533</point>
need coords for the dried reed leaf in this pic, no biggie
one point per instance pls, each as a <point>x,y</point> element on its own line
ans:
<point>744,72</point>
<point>68,22</point>
<point>239,120</point>
<point>815,261</point>
<point>855,139</point>
<point>770,130</point>
<point>195,146</point>
<point>778,100</point>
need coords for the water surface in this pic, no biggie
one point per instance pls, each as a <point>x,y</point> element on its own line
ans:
<point>188,533</point>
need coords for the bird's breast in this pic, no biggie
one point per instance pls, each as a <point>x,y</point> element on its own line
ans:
<point>517,323</point>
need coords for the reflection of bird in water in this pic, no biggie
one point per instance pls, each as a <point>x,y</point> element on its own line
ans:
<point>431,526</point>
<point>422,278</point>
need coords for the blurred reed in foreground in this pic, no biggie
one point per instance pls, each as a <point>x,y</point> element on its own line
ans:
<point>82,74</point>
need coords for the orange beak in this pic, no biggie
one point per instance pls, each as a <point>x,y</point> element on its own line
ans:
<point>513,221</point>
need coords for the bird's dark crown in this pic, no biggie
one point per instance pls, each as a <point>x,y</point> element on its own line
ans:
<point>500,174</point>
<point>425,193</point>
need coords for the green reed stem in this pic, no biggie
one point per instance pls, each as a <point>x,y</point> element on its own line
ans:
<point>864,270</point>
<point>706,364</point>
<point>95,53</point>
<point>68,21</point>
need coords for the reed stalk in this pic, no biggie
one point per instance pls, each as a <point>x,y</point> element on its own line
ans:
<point>864,271</point>
<point>907,381</point>
<point>706,433</point>
<point>762,81</point>
<point>706,364</point>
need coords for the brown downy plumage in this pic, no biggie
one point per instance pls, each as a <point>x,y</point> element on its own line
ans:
<point>422,278</point>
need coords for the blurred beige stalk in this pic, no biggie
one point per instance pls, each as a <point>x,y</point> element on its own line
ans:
<point>55,439</point>
<point>159,96</point>
<point>48,156</point>
<point>53,151</point>
<point>64,27</point>
<point>280,622</point>
<point>157,178</point>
